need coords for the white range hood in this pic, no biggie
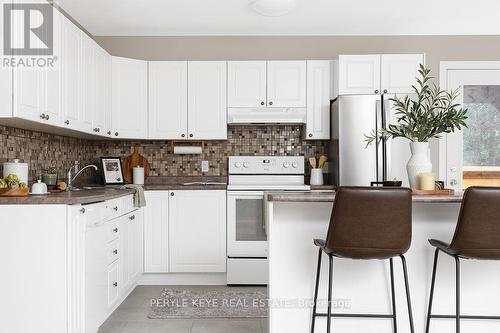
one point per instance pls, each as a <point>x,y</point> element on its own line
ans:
<point>237,116</point>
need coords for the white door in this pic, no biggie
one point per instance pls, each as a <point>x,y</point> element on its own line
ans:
<point>156,232</point>
<point>5,85</point>
<point>471,156</point>
<point>88,81</point>
<point>168,117</point>
<point>318,100</point>
<point>359,74</point>
<point>246,84</point>
<point>207,112</point>
<point>71,62</point>
<point>399,72</point>
<point>197,239</point>
<point>136,239</point>
<point>286,84</point>
<point>130,98</point>
<point>102,91</point>
<point>28,95</point>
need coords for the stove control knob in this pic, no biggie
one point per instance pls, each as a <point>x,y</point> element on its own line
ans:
<point>295,164</point>
<point>286,165</point>
<point>246,164</point>
<point>237,164</point>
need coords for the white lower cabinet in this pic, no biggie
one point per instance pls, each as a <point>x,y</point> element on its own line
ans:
<point>185,231</point>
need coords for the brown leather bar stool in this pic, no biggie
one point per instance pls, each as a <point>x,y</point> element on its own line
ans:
<point>367,223</point>
<point>477,236</point>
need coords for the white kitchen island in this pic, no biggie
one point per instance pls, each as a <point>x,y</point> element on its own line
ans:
<point>294,219</point>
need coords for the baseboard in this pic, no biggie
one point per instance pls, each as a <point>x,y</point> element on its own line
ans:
<point>182,279</point>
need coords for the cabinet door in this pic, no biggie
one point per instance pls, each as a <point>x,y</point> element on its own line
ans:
<point>101,119</point>
<point>28,95</point>
<point>71,68</point>
<point>207,100</point>
<point>168,100</point>
<point>318,100</point>
<point>197,221</point>
<point>88,81</point>
<point>246,84</point>
<point>359,74</point>
<point>5,86</point>
<point>156,232</point>
<point>399,72</point>
<point>130,94</point>
<point>136,240</point>
<point>286,84</point>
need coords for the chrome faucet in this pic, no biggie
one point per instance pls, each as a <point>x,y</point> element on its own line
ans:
<point>71,178</point>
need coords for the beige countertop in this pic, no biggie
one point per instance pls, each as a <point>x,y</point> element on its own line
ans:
<point>329,196</point>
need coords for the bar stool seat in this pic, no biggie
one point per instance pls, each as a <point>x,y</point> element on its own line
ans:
<point>477,236</point>
<point>367,223</point>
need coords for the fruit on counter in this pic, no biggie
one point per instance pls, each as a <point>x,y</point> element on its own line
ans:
<point>12,181</point>
<point>62,186</point>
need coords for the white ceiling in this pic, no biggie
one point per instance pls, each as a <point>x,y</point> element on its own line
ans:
<point>310,17</point>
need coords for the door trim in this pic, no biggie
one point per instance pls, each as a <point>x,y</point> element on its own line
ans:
<point>444,68</point>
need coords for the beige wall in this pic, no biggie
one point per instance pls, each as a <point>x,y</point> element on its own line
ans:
<point>437,48</point>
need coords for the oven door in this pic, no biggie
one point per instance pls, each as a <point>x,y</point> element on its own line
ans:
<point>246,230</point>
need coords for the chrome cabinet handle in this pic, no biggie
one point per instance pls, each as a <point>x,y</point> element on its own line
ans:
<point>262,103</point>
<point>191,135</point>
<point>115,251</point>
<point>115,284</point>
<point>47,117</point>
<point>115,208</point>
<point>67,122</point>
<point>132,217</point>
<point>183,135</point>
<point>385,91</point>
<point>171,194</point>
<point>115,230</point>
<point>109,132</point>
<point>376,91</point>
<point>310,135</point>
<point>116,133</point>
<point>82,210</point>
<point>270,103</point>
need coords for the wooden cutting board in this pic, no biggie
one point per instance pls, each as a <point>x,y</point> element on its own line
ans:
<point>133,161</point>
<point>433,192</point>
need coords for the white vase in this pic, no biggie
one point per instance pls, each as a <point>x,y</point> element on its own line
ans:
<point>419,162</point>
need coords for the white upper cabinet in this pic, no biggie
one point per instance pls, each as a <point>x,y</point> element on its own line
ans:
<point>5,86</point>
<point>101,119</point>
<point>88,80</point>
<point>286,84</point>
<point>168,94</point>
<point>359,74</point>
<point>377,74</point>
<point>318,100</point>
<point>197,226</point>
<point>130,98</point>
<point>246,84</point>
<point>207,83</point>
<point>399,72</point>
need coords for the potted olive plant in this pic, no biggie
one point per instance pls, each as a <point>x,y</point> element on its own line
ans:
<point>49,177</point>
<point>428,114</point>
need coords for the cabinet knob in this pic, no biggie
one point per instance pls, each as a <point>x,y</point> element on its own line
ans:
<point>116,133</point>
<point>270,103</point>
<point>132,217</point>
<point>82,210</point>
<point>42,116</point>
<point>171,194</point>
<point>191,135</point>
<point>310,135</point>
<point>66,122</point>
<point>115,208</point>
<point>109,132</point>
<point>47,117</point>
<point>95,129</point>
<point>385,91</point>
<point>115,251</point>
<point>183,135</point>
<point>115,284</point>
<point>262,103</point>
<point>376,91</point>
<point>115,230</point>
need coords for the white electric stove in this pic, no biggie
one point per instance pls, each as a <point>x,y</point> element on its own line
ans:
<point>249,178</point>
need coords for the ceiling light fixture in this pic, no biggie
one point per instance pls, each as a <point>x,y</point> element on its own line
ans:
<point>273,8</point>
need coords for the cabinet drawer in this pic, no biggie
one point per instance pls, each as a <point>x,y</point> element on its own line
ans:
<point>113,283</point>
<point>113,251</point>
<point>113,230</point>
<point>120,206</point>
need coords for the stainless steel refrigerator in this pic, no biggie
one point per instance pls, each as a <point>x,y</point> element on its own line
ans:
<point>351,162</point>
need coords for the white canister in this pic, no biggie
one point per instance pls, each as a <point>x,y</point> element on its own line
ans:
<point>138,175</point>
<point>317,176</point>
<point>16,168</point>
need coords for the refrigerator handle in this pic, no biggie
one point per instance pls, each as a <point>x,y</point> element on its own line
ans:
<point>379,145</point>
<point>388,143</point>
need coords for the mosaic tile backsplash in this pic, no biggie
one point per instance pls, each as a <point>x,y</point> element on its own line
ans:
<point>42,150</point>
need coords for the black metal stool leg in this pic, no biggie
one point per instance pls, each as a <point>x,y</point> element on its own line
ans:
<point>329,311</point>
<point>318,273</point>
<point>431,296</point>
<point>393,296</point>
<point>457,286</point>
<point>408,300</point>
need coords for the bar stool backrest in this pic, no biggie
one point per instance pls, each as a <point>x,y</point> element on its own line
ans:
<point>477,233</point>
<point>370,222</point>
